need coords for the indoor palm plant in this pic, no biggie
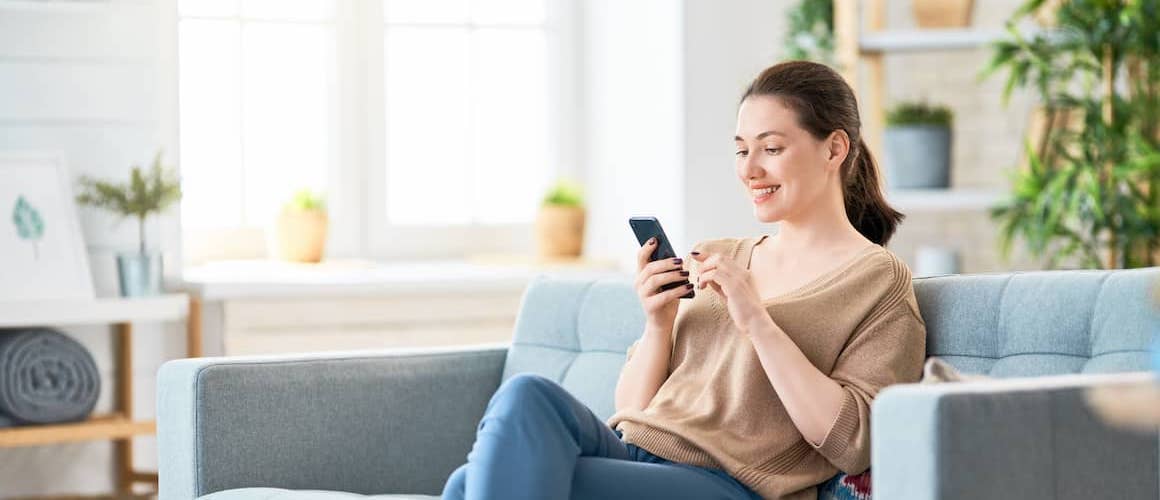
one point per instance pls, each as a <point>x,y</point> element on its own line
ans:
<point>560,222</point>
<point>811,31</point>
<point>1088,190</point>
<point>147,192</point>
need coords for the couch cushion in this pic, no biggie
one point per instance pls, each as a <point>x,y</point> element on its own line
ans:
<point>1040,322</point>
<point>576,333</point>
<point>281,494</point>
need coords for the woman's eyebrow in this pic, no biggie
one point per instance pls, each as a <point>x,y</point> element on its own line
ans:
<point>761,135</point>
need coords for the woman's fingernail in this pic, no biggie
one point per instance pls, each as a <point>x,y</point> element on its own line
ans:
<point>684,273</point>
<point>695,253</point>
<point>677,261</point>
<point>652,240</point>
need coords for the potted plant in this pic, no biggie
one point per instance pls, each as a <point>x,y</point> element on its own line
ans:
<point>148,192</point>
<point>1091,189</point>
<point>302,228</point>
<point>942,13</point>
<point>918,146</point>
<point>811,31</point>
<point>560,222</point>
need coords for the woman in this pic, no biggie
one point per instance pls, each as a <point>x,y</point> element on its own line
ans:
<point>760,386</point>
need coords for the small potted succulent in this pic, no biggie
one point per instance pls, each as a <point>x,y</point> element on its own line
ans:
<point>302,228</point>
<point>918,146</point>
<point>147,192</point>
<point>560,222</point>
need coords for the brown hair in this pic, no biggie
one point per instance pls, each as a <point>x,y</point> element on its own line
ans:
<point>824,103</point>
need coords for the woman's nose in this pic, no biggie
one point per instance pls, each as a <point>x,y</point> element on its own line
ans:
<point>752,168</point>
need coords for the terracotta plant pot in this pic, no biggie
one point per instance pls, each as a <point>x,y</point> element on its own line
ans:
<point>559,231</point>
<point>942,13</point>
<point>301,235</point>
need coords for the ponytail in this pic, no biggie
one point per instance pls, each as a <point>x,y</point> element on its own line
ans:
<point>866,206</point>
<point>824,102</point>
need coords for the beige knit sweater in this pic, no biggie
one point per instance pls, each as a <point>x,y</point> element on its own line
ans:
<point>859,323</point>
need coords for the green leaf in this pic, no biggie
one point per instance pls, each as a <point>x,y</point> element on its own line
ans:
<point>29,225</point>
<point>146,192</point>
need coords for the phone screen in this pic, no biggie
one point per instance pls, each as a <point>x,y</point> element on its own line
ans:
<point>647,227</point>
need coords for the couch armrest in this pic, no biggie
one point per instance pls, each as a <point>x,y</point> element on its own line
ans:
<point>364,422</point>
<point>1026,438</point>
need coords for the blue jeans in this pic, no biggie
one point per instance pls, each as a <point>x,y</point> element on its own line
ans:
<point>537,441</point>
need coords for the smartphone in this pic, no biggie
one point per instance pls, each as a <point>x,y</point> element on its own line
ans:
<point>647,227</point>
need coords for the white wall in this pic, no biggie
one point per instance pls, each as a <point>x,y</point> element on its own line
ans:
<point>634,122</point>
<point>88,81</point>
<point>662,80</point>
<point>726,45</point>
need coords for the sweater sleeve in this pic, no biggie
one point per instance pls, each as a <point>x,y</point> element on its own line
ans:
<point>888,348</point>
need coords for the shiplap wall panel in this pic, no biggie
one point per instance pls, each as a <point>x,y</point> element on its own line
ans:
<point>117,31</point>
<point>83,81</point>
<point>77,92</point>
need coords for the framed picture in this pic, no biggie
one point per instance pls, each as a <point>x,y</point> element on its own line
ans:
<point>42,249</point>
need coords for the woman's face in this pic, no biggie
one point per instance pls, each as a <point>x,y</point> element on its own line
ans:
<point>773,150</point>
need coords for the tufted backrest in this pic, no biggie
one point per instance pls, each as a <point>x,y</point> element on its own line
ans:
<point>1030,323</point>
<point>1041,322</point>
<point>576,333</point>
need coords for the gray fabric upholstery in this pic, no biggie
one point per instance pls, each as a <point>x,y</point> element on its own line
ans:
<point>283,494</point>
<point>366,422</point>
<point>576,333</point>
<point>1014,439</point>
<point>1040,323</point>
<point>397,421</point>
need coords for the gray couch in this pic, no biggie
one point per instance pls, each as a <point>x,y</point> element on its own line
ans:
<point>399,421</point>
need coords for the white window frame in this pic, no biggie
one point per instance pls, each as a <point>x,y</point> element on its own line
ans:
<point>356,187</point>
<point>384,240</point>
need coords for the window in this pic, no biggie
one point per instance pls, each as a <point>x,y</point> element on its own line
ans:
<point>466,116</point>
<point>256,101</point>
<point>433,125</point>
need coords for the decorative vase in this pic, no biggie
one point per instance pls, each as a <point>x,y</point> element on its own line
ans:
<point>301,235</point>
<point>936,260</point>
<point>560,231</point>
<point>139,273</point>
<point>942,13</point>
<point>918,156</point>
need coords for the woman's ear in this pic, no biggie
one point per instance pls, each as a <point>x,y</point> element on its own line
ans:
<point>837,148</point>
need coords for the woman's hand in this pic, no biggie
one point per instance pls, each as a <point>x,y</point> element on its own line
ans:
<point>660,307</point>
<point>735,286</point>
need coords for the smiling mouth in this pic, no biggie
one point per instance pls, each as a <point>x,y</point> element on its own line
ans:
<point>760,195</point>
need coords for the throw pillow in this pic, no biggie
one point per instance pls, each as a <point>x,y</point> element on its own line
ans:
<point>937,371</point>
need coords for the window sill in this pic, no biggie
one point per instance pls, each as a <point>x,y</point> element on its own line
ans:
<point>241,279</point>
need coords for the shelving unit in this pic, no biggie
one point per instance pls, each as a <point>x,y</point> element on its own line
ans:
<point>856,48</point>
<point>929,200</point>
<point>119,425</point>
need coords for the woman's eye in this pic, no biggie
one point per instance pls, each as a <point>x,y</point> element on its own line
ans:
<point>773,151</point>
<point>741,153</point>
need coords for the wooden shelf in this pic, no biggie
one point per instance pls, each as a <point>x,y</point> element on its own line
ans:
<point>170,307</point>
<point>101,427</point>
<point>118,426</point>
<point>927,40</point>
<point>944,199</point>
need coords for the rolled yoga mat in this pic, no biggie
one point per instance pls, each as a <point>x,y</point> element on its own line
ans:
<point>45,377</point>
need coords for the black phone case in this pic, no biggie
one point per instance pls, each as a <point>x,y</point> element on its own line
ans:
<point>645,228</point>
